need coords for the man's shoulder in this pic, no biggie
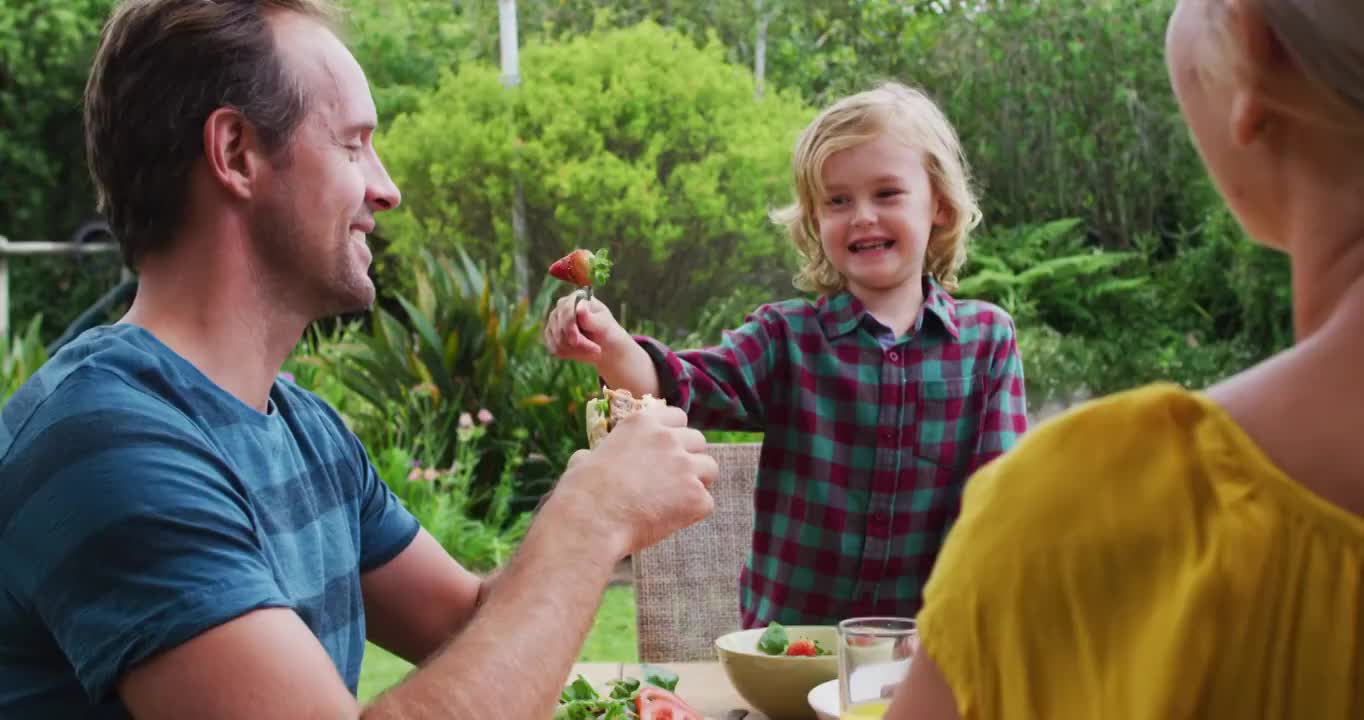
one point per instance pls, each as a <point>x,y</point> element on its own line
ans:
<point>99,383</point>
<point>118,388</point>
<point>310,415</point>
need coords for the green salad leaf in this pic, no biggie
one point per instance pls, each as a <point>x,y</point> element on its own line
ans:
<point>580,701</point>
<point>579,689</point>
<point>660,677</point>
<point>773,640</point>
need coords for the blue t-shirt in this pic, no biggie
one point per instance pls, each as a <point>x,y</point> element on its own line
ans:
<point>141,504</point>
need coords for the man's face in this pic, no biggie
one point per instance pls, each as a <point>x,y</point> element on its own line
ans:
<point>311,223</point>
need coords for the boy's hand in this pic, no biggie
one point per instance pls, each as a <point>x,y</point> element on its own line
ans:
<point>581,329</point>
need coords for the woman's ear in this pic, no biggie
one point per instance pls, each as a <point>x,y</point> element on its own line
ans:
<point>1267,69</point>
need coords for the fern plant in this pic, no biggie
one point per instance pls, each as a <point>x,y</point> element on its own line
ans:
<point>1045,273</point>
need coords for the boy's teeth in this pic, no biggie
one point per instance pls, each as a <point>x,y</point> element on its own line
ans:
<point>871,245</point>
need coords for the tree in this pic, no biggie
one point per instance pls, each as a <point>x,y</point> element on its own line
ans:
<point>45,53</point>
<point>673,171</point>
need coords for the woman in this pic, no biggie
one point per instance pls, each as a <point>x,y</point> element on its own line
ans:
<point>1168,554</point>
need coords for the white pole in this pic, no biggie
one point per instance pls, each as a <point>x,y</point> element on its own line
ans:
<point>8,248</point>
<point>4,293</point>
<point>760,50</point>
<point>506,16</point>
<point>511,77</point>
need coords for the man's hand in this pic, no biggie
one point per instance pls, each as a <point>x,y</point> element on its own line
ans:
<point>647,480</point>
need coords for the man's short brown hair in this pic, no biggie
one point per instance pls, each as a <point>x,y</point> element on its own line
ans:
<point>163,66</point>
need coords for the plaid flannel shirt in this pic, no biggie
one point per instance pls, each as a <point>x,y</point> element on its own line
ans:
<point>869,440</point>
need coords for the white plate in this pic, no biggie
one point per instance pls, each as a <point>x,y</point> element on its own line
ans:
<point>823,698</point>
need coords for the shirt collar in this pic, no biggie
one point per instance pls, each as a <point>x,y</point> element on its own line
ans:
<point>842,313</point>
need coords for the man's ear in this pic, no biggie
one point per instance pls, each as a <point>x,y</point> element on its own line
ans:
<point>233,151</point>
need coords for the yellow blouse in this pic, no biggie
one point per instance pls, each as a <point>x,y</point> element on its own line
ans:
<point>1140,557</point>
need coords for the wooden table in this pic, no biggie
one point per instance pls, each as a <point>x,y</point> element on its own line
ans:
<point>703,685</point>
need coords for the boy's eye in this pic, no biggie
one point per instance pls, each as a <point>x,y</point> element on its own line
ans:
<point>889,192</point>
<point>838,200</point>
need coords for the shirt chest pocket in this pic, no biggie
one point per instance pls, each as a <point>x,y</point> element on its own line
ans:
<point>947,423</point>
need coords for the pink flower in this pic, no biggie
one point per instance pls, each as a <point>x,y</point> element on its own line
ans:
<point>485,417</point>
<point>415,475</point>
<point>466,421</point>
<point>430,474</point>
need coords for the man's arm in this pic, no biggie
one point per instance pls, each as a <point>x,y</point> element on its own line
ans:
<point>415,602</point>
<point>511,661</point>
<point>516,654</point>
<point>647,480</point>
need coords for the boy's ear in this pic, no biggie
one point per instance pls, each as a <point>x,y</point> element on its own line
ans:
<point>943,214</point>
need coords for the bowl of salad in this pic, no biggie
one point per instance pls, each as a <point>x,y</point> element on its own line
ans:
<point>774,668</point>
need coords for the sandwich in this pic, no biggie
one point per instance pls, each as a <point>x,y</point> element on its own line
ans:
<point>605,412</point>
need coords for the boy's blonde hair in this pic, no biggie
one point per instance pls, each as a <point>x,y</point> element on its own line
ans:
<point>1326,38</point>
<point>910,116</point>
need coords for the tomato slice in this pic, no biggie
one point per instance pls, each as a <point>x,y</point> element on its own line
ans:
<point>655,703</point>
<point>666,710</point>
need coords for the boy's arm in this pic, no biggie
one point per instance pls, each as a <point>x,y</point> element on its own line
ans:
<point>724,387</point>
<point>626,365</point>
<point>721,387</point>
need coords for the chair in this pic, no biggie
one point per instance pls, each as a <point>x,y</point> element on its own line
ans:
<point>687,586</point>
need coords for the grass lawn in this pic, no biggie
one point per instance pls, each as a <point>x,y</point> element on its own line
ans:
<point>612,639</point>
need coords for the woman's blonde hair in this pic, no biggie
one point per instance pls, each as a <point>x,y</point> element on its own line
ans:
<point>910,116</point>
<point>1326,39</point>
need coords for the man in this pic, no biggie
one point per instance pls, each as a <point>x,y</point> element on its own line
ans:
<point>184,536</point>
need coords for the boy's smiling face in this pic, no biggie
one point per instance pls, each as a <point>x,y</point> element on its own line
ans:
<point>877,213</point>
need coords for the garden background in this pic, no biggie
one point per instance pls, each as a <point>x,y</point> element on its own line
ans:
<point>662,130</point>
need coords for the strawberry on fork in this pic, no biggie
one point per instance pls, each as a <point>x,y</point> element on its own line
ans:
<point>583,268</point>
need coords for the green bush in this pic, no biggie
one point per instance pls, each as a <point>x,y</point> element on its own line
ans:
<point>1191,311</point>
<point>45,52</point>
<point>313,366</point>
<point>818,49</point>
<point>23,354</point>
<point>458,346</point>
<point>1064,106</point>
<point>1065,110</point>
<point>480,529</point>
<point>404,46</point>
<point>614,146</point>
<point>1046,274</point>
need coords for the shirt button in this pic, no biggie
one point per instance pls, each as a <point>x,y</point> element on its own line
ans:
<point>894,356</point>
<point>888,435</point>
<point>880,519</point>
